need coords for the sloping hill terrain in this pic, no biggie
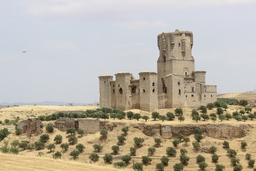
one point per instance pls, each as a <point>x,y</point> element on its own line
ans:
<point>29,159</point>
<point>250,96</point>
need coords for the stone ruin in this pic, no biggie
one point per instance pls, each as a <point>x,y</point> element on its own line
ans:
<point>30,126</point>
<point>89,126</point>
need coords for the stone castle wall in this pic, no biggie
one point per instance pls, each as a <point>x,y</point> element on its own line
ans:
<point>89,126</point>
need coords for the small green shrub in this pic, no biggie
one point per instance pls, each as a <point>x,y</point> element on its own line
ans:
<point>138,167</point>
<point>120,164</point>
<point>49,128</point>
<point>151,150</point>
<point>126,158</point>
<point>108,158</point>
<point>64,146</point>
<point>164,160</point>
<point>51,147</point>
<point>74,154</point>
<point>44,138</point>
<point>80,147</point>
<point>97,147</point>
<point>57,155</point>
<point>146,159</point>
<point>72,140</point>
<point>94,157</point>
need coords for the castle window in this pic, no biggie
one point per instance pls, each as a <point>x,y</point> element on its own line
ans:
<point>114,85</point>
<point>179,44</point>
<point>153,84</point>
<point>134,89</point>
<point>144,90</point>
<point>104,81</point>
<point>204,95</point>
<point>178,83</point>
<point>179,92</point>
<point>144,78</point>
<point>165,89</point>
<point>121,91</point>
<point>192,95</point>
<point>113,91</point>
<point>186,95</point>
<point>118,85</point>
<point>211,95</point>
<point>192,89</point>
<point>183,46</point>
<point>153,90</point>
<point>164,59</point>
<point>186,73</point>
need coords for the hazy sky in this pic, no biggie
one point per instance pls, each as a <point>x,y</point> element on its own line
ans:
<point>69,43</point>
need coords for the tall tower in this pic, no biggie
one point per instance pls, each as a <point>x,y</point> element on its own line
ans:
<point>123,92</point>
<point>175,56</point>
<point>105,90</point>
<point>148,91</point>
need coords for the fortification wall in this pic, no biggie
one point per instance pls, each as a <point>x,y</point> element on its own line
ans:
<point>211,88</point>
<point>90,126</point>
<point>64,123</point>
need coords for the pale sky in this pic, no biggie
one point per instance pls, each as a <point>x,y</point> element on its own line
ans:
<point>69,43</point>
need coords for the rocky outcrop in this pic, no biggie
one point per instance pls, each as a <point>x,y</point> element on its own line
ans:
<point>225,131</point>
<point>211,130</point>
<point>222,131</point>
<point>151,130</point>
<point>109,126</point>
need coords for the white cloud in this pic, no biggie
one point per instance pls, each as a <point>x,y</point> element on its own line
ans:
<point>92,8</point>
<point>61,45</point>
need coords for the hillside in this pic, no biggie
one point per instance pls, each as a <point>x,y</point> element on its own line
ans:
<point>46,162</point>
<point>250,96</point>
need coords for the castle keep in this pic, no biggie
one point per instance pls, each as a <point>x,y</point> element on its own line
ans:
<point>176,83</point>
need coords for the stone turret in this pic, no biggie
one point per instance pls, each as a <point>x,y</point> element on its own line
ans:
<point>148,91</point>
<point>105,90</point>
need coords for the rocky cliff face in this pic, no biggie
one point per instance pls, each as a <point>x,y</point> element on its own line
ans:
<point>211,130</point>
<point>221,131</point>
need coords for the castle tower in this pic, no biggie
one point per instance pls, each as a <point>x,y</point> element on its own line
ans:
<point>105,90</point>
<point>175,56</point>
<point>123,92</point>
<point>148,91</point>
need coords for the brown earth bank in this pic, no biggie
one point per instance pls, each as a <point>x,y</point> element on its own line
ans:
<point>214,133</point>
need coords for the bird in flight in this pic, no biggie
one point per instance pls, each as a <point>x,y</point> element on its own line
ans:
<point>23,51</point>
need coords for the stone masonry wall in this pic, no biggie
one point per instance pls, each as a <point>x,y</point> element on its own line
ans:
<point>90,126</point>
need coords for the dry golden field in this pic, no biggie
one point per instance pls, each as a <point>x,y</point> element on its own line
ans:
<point>29,160</point>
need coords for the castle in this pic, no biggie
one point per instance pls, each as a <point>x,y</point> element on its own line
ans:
<point>176,83</point>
